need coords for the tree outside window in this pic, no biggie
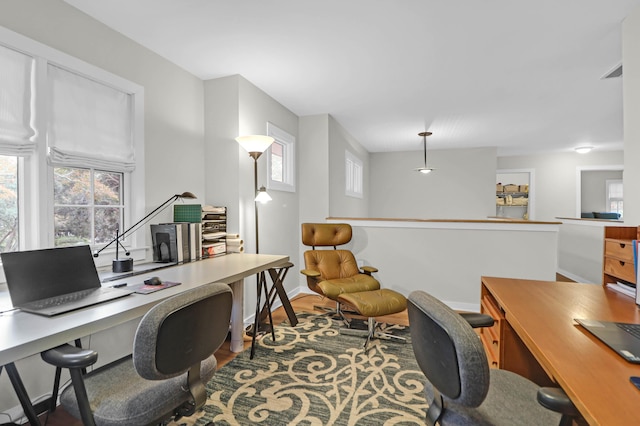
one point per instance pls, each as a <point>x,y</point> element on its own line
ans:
<point>88,206</point>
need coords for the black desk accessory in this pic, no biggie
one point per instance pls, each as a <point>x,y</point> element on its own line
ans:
<point>126,265</point>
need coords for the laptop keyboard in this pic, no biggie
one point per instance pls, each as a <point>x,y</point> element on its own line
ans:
<point>61,300</point>
<point>633,329</point>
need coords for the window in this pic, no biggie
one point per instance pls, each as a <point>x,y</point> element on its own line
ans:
<point>281,160</point>
<point>9,231</point>
<point>353,175</point>
<point>88,207</point>
<point>614,196</point>
<point>71,136</point>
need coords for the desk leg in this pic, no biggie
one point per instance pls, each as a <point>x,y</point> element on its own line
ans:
<point>237,317</point>
<point>21,392</point>
<point>277,277</point>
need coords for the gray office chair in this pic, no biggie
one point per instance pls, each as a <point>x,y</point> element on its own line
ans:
<point>164,378</point>
<point>461,388</point>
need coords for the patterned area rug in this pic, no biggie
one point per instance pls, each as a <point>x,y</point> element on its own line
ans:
<point>313,375</point>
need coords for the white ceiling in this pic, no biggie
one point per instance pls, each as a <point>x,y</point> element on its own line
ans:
<point>521,76</point>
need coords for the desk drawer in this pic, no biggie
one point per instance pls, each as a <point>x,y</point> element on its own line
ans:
<point>621,269</point>
<point>619,249</point>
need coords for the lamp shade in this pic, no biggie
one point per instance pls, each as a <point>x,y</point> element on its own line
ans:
<point>583,149</point>
<point>255,143</point>
<point>262,196</point>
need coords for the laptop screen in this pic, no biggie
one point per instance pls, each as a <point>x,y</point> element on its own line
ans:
<point>40,274</point>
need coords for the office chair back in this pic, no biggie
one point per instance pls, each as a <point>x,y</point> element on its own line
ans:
<point>173,357</point>
<point>448,351</point>
<point>182,331</point>
<point>461,389</point>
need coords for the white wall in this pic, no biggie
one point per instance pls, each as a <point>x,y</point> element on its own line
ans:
<point>461,187</point>
<point>631,108</point>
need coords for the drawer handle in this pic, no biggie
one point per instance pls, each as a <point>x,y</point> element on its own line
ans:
<point>621,262</point>
<point>622,245</point>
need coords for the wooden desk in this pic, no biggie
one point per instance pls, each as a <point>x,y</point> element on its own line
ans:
<point>541,314</point>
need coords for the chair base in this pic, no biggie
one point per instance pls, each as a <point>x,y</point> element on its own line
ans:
<point>337,313</point>
<point>373,331</point>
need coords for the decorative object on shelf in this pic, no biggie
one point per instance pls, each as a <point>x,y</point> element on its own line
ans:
<point>126,265</point>
<point>425,169</point>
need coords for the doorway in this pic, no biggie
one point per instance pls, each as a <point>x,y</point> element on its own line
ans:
<point>517,198</point>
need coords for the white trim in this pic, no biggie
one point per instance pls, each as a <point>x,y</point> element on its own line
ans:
<point>498,225</point>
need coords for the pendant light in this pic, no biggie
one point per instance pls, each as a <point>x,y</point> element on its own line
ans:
<point>425,169</point>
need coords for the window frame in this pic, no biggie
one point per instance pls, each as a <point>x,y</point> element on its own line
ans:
<point>288,143</point>
<point>36,173</point>
<point>354,175</point>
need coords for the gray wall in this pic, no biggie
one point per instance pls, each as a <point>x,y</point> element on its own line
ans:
<point>461,187</point>
<point>341,205</point>
<point>593,189</point>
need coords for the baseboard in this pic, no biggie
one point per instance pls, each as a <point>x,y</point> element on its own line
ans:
<point>574,277</point>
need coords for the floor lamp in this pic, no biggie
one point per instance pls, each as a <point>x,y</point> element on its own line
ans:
<point>255,145</point>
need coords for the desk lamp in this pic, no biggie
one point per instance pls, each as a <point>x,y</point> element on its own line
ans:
<point>126,265</point>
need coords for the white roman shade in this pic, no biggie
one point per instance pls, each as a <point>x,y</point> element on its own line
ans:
<point>90,123</point>
<point>16,98</point>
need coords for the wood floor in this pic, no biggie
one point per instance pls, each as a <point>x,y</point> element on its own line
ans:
<point>301,303</point>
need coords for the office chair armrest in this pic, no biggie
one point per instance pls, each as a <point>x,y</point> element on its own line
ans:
<point>476,319</point>
<point>310,273</point>
<point>556,400</point>
<point>67,356</point>
<point>369,269</point>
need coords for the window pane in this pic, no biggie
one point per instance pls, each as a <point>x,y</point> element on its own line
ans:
<point>107,222</point>
<point>107,188</point>
<point>72,225</point>
<point>71,186</point>
<point>9,240</point>
<point>277,171</point>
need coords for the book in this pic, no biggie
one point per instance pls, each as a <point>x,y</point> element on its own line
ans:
<point>164,242</point>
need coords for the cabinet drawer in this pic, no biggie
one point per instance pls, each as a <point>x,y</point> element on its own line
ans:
<point>619,249</point>
<point>621,269</point>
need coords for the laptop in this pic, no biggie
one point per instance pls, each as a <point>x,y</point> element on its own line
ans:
<point>54,281</point>
<point>624,338</point>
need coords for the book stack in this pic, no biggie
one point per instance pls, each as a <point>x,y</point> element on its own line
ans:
<point>624,288</point>
<point>214,231</point>
<point>234,243</point>
<point>176,242</point>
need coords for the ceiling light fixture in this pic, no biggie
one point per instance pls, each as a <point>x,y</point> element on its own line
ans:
<point>583,149</point>
<point>425,169</point>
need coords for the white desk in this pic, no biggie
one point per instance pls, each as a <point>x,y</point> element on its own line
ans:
<point>23,334</point>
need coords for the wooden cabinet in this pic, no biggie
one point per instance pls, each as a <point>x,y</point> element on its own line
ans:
<point>503,346</point>
<point>618,259</point>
